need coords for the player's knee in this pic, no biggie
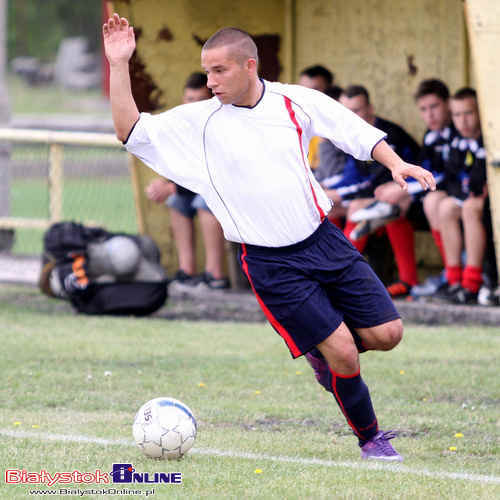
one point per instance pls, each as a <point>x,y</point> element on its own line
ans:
<point>349,357</point>
<point>472,208</point>
<point>393,334</point>
<point>341,350</point>
<point>448,209</point>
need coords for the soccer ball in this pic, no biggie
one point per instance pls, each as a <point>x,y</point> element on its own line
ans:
<point>164,428</point>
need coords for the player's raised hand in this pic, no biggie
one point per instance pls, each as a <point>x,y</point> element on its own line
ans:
<point>423,176</point>
<point>119,40</point>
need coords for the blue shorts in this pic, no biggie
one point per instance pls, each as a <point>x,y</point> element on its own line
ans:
<point>307,289</point>
<point>187,204</point>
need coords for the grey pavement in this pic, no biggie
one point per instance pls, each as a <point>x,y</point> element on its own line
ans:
<point>242,306</point>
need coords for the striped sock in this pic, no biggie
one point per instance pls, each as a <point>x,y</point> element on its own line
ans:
<point>351,394</point>
<point>353,397</point>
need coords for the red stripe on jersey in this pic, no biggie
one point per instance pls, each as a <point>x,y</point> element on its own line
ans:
<point>291,112</point>
<point>269,315</point>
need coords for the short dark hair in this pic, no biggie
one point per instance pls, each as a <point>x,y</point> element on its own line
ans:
<point>432,86</point>
<point>355,90</point>
<point>318,70</point>
<point>196,80</point>
<point>243,43</point>
<point>334,92</point>
<point>464,93</point>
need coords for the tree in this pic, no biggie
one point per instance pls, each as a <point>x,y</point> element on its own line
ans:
<point>36,27</point>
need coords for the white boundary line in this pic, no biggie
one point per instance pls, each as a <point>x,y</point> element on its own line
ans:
<point>378,466</point>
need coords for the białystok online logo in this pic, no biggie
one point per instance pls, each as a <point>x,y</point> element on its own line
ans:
<point>121,473</point>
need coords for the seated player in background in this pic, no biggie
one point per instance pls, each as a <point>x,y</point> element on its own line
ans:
<point>318,78</point>
<point>370,179</point>
<point>432,99</point>
<point>463,204</point>
<point>184,205</point>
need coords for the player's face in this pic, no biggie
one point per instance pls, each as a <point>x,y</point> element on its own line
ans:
<point>228,79</point>
<point>465,116</point>
<point>195,95</point>
<point>360,106</point>
<point>315,82</point>
<point>434,111</point>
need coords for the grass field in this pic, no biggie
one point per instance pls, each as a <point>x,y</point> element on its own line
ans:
<point>52,99</point>
<point>266,429</point>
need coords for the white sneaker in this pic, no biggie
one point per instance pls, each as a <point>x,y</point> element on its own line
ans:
<point>376,210</point>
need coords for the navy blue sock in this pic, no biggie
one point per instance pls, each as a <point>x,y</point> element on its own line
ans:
<point>354,400</point>
<point>351,394</point>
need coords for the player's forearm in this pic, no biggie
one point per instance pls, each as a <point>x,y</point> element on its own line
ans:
<point>123,107</point>
<point>385,155</point>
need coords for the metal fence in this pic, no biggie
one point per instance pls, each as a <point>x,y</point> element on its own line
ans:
<point>50,176</point>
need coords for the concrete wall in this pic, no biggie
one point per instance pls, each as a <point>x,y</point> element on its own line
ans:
<point>386,45</point>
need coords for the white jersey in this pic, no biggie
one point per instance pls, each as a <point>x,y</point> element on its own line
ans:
<point>250,164</point>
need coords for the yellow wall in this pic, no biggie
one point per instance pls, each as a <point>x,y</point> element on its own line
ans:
<point>368,42</point>
<point>170,63</point>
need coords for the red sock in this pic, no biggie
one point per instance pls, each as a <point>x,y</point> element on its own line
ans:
<point>337,221</point>
<point>453,274</point>
<point>358,244</point>
<point>439,243</point>
<point>400,233</point>
<point>472,278</point>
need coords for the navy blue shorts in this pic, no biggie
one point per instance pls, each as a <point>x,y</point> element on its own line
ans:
<point>307,289</point>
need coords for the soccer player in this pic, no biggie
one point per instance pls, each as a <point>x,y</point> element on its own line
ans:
<point>245,152</point>
<point>432,100</point>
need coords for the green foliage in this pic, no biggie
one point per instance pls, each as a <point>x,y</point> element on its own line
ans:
<point>36,27</point>
<point>439,388</point>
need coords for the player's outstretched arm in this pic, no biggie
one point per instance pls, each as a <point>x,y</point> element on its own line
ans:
<point>119,45</point>
<point>385,155</point>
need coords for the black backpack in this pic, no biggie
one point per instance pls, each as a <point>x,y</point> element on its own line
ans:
<point>65,248</point>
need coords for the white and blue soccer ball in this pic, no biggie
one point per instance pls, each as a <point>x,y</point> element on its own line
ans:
<point>164,428</point>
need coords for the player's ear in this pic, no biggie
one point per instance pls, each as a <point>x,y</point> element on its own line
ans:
<point>252,64</point>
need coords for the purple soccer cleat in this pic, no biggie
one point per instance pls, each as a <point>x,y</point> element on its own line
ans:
<point>379,448</point>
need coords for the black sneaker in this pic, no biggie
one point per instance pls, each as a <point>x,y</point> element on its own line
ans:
<point>183,281</point>
<point>208,281</point>
<point>464,296</point>
<point>447,293</point>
